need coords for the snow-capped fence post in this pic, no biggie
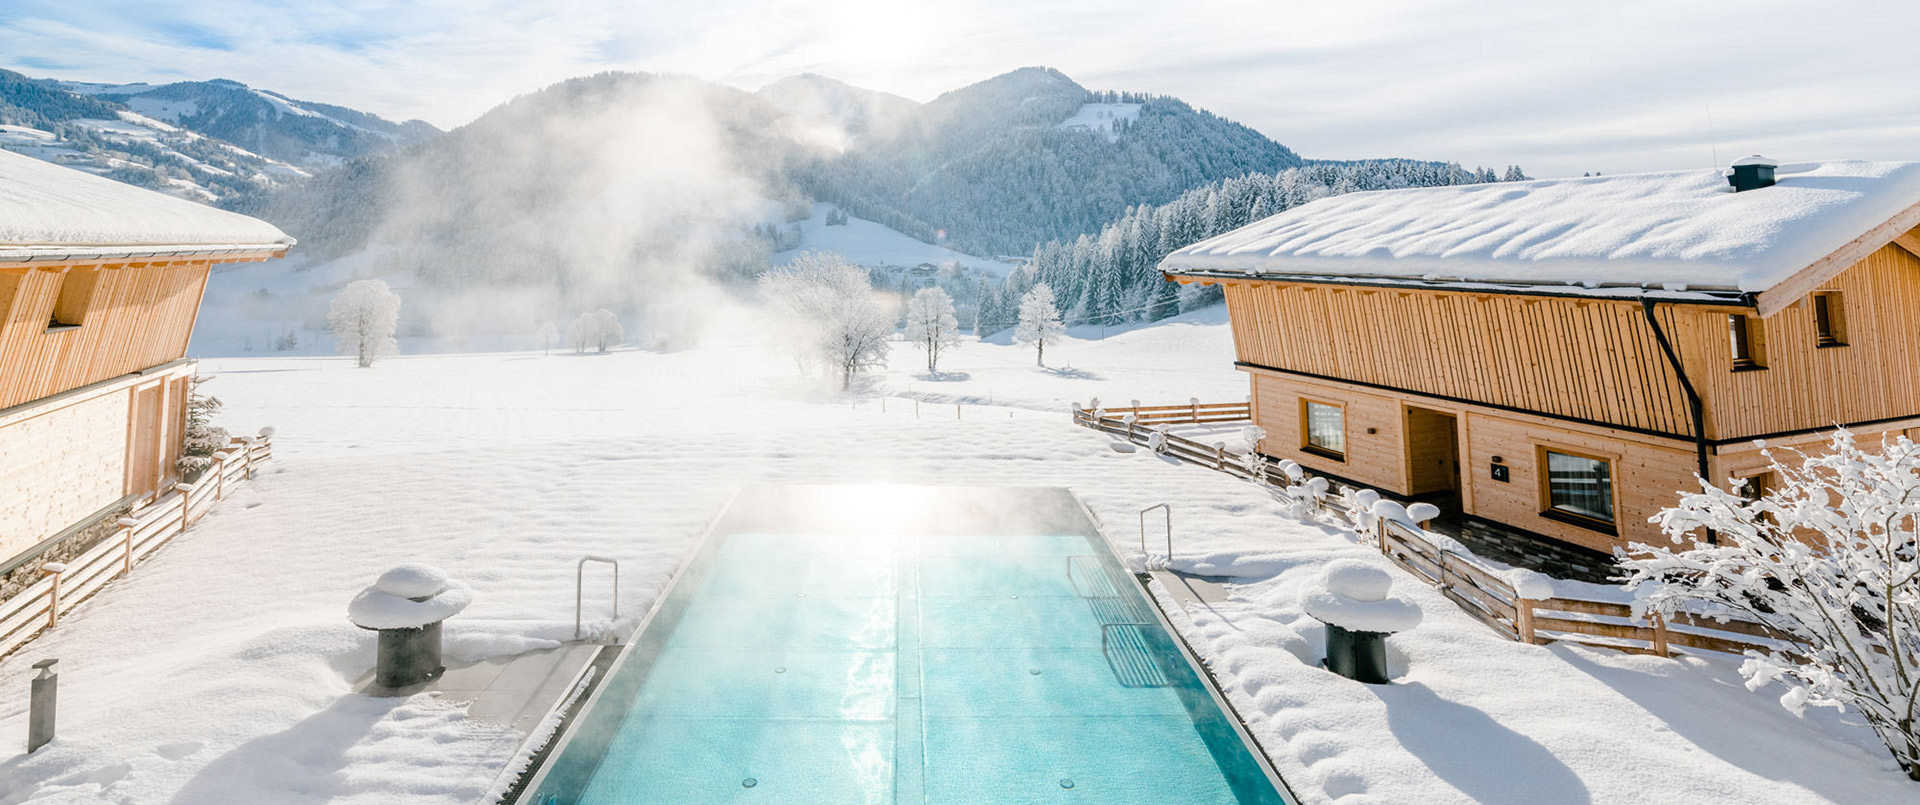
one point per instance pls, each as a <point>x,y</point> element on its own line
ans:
<point>406,606</point>
<point>1193,408</point>
<point>1220,456</point>
<point>1659,634</point>
<point>41,704</point>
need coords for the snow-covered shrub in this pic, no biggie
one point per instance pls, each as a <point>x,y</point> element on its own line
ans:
<point>363,318</point>
<point>1040,323</point>
<point>1826,558</point>
<point>1253,435</point>
<point>597,330</point>
<point>830,314</point>
<point>1357,504</point>
<point>931,325</point>
<point>202,438</point>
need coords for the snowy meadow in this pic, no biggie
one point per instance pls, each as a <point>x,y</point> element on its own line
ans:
<point>222,671</point>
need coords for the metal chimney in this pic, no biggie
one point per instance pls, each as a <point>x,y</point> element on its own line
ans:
<point>1752,173</point>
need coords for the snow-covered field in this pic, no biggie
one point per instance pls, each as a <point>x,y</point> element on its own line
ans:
<point>872,244</point>
<point>221,671</point>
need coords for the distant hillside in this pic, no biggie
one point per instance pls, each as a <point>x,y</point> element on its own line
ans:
<point>1113,276</point>
<point>207,141</point>
<point>1031,156</point>
<point>264,122</point>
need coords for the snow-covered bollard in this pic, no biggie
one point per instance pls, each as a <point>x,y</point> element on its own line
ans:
<point>1352,601</point>
<point>406,605</point>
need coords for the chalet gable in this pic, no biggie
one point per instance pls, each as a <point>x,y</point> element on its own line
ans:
<point>1681,236</point>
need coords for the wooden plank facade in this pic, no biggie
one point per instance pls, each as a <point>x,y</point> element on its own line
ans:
<point>93,386</point>
<point>1460,395</point>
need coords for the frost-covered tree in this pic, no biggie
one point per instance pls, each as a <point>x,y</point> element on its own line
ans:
<point>548,335</point>
<point>1826,558</point>
<point>363,318</point>
<point>931,325</point>
<point>202,438</point>
<point>830,314</point>
<point>1040,323</point>
<point>598,330</point>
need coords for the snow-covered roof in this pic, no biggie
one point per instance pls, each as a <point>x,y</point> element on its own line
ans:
<point>50,212</point>
<point>1677,231</point>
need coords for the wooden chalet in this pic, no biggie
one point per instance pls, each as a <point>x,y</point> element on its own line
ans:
<point>1566,356</point>
<point>99,286</point>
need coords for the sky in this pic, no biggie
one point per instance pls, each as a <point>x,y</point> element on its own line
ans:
<point>1559,87</point>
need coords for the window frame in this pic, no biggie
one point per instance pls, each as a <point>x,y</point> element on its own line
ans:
<point>1306,429</point>
<point>1550,511</point>
<point>1748,332</point>
<point>1831,306</point>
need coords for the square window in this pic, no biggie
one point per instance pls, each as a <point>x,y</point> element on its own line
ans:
<point>1581,486</point>
<point>1325,427</point>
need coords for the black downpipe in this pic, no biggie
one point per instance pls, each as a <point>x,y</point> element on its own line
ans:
<point>1693,399</point>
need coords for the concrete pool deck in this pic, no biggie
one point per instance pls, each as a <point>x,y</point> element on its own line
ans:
<point>516,691</point>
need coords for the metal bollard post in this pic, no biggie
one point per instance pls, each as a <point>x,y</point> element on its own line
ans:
<point>46,689</point>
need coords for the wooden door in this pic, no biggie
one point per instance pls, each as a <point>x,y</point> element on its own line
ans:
<point>1433,452</point>
<point>145,448</point>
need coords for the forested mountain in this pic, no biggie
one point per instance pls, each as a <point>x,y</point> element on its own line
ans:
<point>207,141</point>
<point>997,167</point>
<point>604,187</point>
<point>262,121</point>
<point>1113,277</point>
<point>631,191</point>
<point>838,115</point>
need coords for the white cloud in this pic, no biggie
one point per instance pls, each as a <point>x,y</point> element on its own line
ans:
<point>1557,87</point>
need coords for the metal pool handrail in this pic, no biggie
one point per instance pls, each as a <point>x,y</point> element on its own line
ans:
<point>1143,528</point>
<point>579,587</point>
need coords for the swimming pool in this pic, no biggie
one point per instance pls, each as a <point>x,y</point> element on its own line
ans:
<point>843,655</point>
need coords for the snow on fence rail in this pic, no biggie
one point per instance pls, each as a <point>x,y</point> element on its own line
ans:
<point>1479,589</point>
<point>63,586</point>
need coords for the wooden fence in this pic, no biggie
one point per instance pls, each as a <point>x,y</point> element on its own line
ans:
<point>1462,577</point>
<point>63,586</point>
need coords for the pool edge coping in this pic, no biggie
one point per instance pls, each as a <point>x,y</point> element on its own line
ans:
<point>536,773</point>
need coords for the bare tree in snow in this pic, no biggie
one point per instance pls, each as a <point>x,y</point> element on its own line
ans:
<point>598,330</point>
<point>931,325</point>
<point>1826,558</point>
<point>548,336</point>
<point>363,318</point>
<point>1040,323</point>
<point>829,312</point>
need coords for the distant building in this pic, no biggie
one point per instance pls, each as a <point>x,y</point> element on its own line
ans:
<point>99,287</point>
<point>1564,356</point>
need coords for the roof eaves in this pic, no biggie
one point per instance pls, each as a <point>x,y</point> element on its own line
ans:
<point>1693,296</point>
<point>48,254</point>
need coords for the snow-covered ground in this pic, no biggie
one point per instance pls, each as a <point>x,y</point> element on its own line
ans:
<point>221,671</point>
<point>875,245</point>
<point>1098,118</point>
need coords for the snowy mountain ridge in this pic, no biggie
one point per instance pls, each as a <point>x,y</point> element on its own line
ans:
<point>207,141</point>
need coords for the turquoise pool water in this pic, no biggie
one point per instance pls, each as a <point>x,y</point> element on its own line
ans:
<point>923,669</point>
